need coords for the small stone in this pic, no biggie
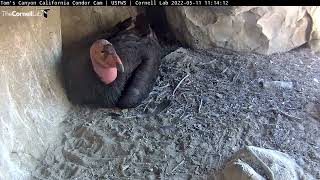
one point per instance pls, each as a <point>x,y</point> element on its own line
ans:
<point>124,110</point>
<point>279,84</point>
<point>241,165</point>
<point>300,127</point>
<point>218,95</point>
<point>301,162</point>
<point>205,99</point>
<point>215,115</point>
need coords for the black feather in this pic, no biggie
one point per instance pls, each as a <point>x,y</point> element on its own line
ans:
<point>139,51</point>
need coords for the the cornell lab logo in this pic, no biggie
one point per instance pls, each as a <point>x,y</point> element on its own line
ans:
<point>45,12</point>
<point>40,12</point>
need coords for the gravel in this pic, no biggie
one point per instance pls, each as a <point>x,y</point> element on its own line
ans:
<point>206,105</point>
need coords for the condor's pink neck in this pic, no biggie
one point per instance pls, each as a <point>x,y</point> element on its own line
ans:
<point>107,75</point>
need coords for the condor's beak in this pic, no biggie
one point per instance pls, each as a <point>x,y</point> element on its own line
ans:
<point>120,67</point>
<point>110,51</point>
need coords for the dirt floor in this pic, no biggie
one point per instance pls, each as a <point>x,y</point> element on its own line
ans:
<point>207,104</point>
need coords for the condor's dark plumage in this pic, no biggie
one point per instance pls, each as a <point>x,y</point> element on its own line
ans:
<point>139,50</point>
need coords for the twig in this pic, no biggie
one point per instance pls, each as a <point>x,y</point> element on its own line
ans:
<point>144,109</point>
<point>184,96</point>
<point>175,168</point>
<point>235,77</point>
<point>224,70</point>
<point>188,115</point>
<point>286,114</point>
<point>175,89</point>
<point>184,110</point>
<point>165,171</point>
<point>200,106</point>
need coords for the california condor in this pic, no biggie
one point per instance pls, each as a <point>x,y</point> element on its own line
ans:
<point>116,69</point>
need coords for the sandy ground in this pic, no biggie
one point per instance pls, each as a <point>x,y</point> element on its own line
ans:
<point>206,106</point>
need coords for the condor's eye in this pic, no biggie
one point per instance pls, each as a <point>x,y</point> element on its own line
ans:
<point>102,51</point>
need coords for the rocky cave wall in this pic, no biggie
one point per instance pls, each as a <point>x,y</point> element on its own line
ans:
<point>33,102</point>
<point>264,30</point>
<point>80,22</point>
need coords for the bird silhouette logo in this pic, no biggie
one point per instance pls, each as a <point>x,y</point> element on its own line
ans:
<point>45,12</point>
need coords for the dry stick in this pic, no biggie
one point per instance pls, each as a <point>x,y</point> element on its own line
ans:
<point>165,170</point>
<point>175,89</point>
<point>286,114</point>
<point>200,106</point>
<point>235,77</point>
<point>184,110</point>
<point>144,109</point>
<point>225,70</point>
<point>175,168</point>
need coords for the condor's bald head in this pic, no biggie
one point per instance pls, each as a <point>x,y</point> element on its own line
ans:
<point>105,60</point>
<point>103,53</point>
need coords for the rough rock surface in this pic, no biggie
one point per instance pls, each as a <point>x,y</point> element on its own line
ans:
<point>315,34</point>
<point>254,163</point>
<point>32,102</point>
<point>80,22</point>
<point>264,30</point>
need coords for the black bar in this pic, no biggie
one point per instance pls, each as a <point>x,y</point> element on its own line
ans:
<point>52,3</point>
<point>225,2</point>
<point>274,2</point>
<point>160,3</point>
